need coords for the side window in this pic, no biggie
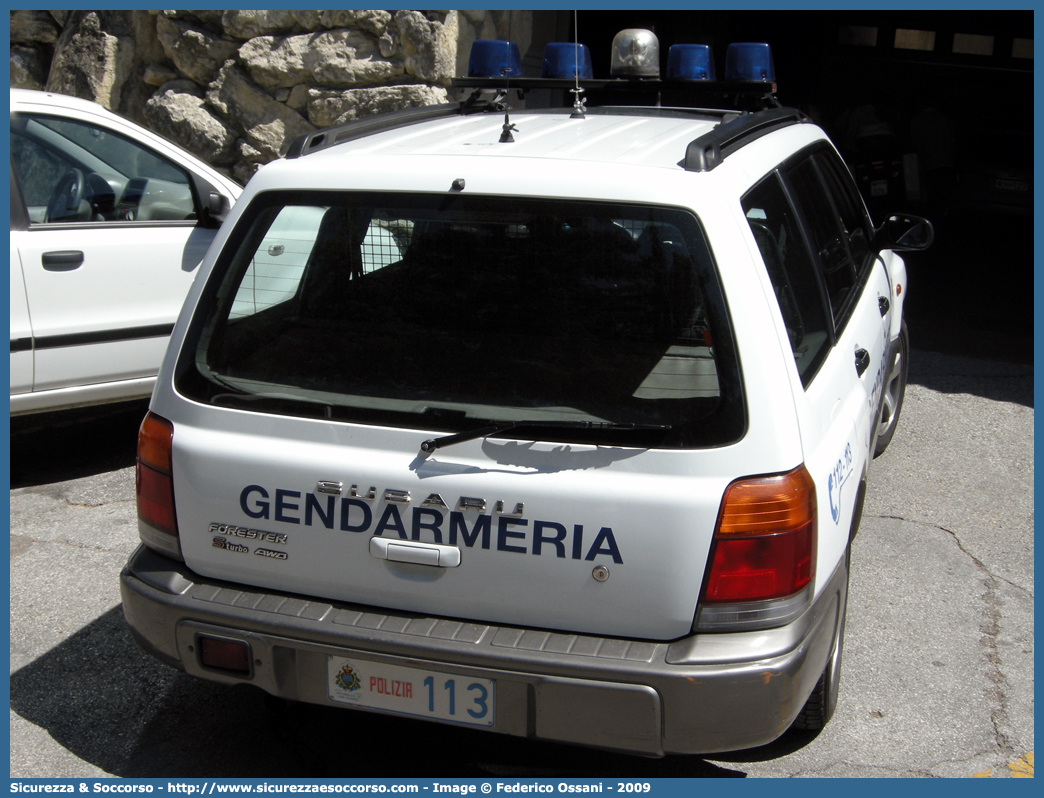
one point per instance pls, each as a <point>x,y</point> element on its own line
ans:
<point>277,265</point>
<point>828,239</point>
<point>854,221</point>
<point>790,268</point>
<point>39,170</point>
<point>73,171</point>
<point>324,240</point>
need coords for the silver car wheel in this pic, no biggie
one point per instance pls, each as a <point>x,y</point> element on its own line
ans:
<point>894,391</point>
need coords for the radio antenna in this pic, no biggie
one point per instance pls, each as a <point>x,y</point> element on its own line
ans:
<point>505,131</point>
<point>579,112</point>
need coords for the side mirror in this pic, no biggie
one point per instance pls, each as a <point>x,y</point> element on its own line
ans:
<point>214,206</point>
<point>904,233</point>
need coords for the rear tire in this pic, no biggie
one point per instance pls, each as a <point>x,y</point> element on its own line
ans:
<point>821,703</point>
<point>894,391</point>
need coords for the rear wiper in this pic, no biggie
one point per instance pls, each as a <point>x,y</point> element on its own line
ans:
<point>482,432</point>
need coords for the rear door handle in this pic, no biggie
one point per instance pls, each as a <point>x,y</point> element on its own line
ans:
<point>862,361</point>
<point>415,553</point>
<point>63,261</point>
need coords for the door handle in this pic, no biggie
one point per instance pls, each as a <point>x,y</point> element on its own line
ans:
<point>883,304</point>
<point>862,361</point>
<point>416,553</point>
<point>64,261</point>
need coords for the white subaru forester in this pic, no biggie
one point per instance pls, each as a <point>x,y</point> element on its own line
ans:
<point>551,422</point>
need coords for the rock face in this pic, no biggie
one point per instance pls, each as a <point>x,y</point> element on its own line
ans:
<point>236,87</point>
<point>268,125</point>
<point>326,108</point>
<point>179,112</point>
<point>197,54</point>
<point>343,57</point>
<point>90,61</point>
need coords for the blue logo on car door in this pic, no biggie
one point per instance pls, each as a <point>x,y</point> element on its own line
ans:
<point>836,480</point>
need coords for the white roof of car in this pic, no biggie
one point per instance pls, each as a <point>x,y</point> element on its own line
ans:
<point>619,138</point>
<point>21,97</point>
<point>636,154</point>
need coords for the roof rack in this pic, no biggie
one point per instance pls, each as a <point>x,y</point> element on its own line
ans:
<point>710,149</point>
<point>392,120</point>
<point>736,129</point>
<point>328,137</point>
<point>360,128</point>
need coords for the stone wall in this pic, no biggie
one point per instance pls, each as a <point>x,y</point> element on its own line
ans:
<point>236,87</point>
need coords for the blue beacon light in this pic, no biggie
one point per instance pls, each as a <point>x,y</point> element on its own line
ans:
<point>749,61</point>
<point>567,60</point>
<point>690,62</point>
<point>494,58</point>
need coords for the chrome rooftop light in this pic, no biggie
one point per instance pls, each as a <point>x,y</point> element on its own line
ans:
<point>636,54</point>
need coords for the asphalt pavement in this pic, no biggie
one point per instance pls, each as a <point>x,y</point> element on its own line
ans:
<point>937,678</point>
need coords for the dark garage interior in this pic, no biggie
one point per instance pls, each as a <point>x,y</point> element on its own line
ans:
<point>933,110</point>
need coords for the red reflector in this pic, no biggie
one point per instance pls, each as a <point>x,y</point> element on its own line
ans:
<point>228,655</point>
<point>155,493</point>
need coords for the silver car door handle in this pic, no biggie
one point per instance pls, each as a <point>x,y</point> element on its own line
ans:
<point>415,553</point>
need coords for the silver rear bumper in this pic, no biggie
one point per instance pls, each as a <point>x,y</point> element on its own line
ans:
<point>702,694</point>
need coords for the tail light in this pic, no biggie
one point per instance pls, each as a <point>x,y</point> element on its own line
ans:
<point>763,559</point>
<point>154,482</point>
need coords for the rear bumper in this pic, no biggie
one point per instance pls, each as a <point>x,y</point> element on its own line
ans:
<point>702,694</point>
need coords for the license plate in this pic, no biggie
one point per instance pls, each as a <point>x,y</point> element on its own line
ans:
<point>411,691</point>
<point>878,188</point>
<point>1011,185</point>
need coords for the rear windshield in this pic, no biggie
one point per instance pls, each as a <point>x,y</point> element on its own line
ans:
<point>451,312</point>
